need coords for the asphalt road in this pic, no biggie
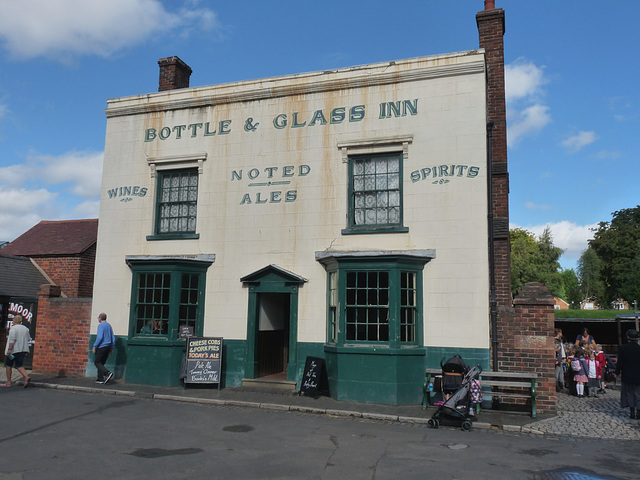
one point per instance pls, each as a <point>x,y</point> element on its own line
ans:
<point>51,434</point>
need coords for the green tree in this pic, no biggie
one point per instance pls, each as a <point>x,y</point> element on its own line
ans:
<point>590,275</point>
<point>572,288</point>
<point>535,260</point>
<point>617,244</point>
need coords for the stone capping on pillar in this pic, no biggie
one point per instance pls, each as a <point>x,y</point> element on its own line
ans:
<point>48,290</point>
<point>534,293</point>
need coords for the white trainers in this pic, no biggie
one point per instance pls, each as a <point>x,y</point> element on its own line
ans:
<point>108,377</point>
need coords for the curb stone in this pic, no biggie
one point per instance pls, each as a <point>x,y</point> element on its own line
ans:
<point>281,407</point>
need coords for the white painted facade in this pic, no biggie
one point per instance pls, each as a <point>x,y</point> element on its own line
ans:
<point>445,214</point>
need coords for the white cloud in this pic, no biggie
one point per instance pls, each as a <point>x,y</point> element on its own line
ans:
<point>534,206</point>
<point>569,236</point>
<point>526,122</point>
<point>578,142</point>
<point>30,192</point>
<point>526,112</point>
<point>66,28</point>
<point>607,155</point>
<point>79,172</point>
<point>21,209</point>
<point>523,80</point>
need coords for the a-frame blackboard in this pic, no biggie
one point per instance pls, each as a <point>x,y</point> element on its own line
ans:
<point>203,360</point>
<point>314,378</point>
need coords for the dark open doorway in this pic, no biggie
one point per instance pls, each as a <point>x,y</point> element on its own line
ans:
<point>273,333</point>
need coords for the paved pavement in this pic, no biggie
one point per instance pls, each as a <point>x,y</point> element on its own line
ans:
<point>600,417</point>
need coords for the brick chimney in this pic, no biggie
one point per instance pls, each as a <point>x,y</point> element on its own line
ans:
<point>491,32</point>
<point>174,73</point>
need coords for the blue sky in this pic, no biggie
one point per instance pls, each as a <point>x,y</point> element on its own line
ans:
<point>571,71</point>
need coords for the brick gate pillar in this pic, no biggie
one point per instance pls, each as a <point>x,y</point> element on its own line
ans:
<point>527,341</point>
<point>62,338</point>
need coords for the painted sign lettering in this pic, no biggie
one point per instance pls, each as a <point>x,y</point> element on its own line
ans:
<point>335,116</point>
<point>19,309</point>
<point>270,177</point>
<point>443,173</point>
<point>125,193</point>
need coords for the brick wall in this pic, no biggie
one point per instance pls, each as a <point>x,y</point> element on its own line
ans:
<point>62,344</point>
<point>73,274</point>
<point>87,270</point>
<point>527,344</point>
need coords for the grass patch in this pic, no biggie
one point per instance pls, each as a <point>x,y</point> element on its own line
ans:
<point>587,314</point>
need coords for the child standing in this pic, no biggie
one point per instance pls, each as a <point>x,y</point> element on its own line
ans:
<point>580,368</point>
<point>592,369</point>
<point>602,362</point>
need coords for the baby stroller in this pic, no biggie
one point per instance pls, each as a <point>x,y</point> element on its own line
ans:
<point>453,371</point>
<point>456,410</point>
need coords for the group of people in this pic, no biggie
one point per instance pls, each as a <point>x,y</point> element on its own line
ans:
<point>19,341</point>
<point>584,369</point>
<point>582,364</point>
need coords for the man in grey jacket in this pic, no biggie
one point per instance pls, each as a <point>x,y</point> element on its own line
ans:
<point>17,348</point>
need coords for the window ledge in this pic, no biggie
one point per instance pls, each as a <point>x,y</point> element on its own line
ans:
<point>160,341</point>
<point>372,230</point>
<point>376,350</point>
<point>174,236</point>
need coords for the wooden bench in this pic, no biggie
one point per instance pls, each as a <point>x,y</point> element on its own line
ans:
<point>525,383</point>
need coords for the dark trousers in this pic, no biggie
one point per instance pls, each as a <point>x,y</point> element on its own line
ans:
<point>100,358</point>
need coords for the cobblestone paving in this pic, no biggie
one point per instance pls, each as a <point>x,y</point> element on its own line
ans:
<point>600,417</point>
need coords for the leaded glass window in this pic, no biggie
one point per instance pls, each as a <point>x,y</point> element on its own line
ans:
<point>375,190</point>
<point>177,201</point>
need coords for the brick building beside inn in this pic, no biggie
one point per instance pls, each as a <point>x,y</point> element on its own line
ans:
<point>359,215</point>
<point>47,277</point>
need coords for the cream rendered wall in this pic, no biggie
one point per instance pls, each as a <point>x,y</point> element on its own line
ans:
<point>450,218</point>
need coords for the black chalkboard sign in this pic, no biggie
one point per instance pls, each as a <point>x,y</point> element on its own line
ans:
<point>203,358</point>
<point>314,378</point>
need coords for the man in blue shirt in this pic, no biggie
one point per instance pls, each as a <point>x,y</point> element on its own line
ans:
<point>102,348</point>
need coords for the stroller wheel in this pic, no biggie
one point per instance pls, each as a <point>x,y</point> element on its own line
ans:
<point>433,423</point>
<point>466,425</point>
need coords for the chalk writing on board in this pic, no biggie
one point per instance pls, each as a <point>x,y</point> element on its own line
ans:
<point>204,372</point>
<point>314,380</point>
<point>203,360</point>
<point>311,376</point>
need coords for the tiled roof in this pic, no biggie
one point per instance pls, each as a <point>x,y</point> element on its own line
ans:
<point>64,237</point>
<point>19,277</point>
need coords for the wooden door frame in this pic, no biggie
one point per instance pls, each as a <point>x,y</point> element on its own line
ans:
<point>271,279</point>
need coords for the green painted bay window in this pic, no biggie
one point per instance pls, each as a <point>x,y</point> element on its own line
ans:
<point>167,297</point>
<point>374,299</point>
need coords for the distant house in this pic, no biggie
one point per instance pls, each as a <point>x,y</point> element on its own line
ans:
<point>65,250</point>
<point>620,304</point>
<point>560,304</point>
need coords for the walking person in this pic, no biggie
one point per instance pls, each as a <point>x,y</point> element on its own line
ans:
<point>629,364</point>
<point>17,348</point>
<point>102,348</point>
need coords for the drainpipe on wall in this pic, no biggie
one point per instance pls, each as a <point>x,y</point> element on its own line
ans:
<point>493,301</point>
